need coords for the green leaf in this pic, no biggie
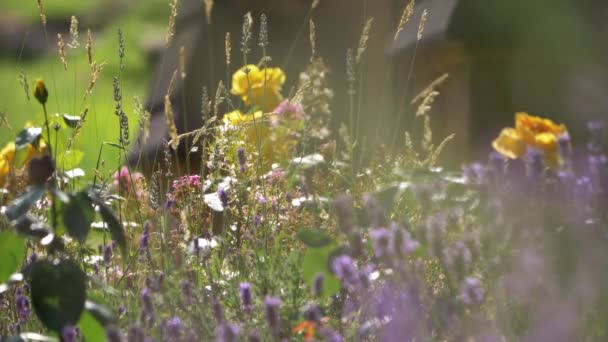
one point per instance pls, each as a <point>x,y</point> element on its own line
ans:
<point>58,292</point>
<point>114,225</point>
<point>22,204</point>
<point>78,214</point>
<point>71,120</point>
<point>316,261</point>
<point>28,136</point>
<point>91,329</point>
<point>314,237</point>
<point>15,278</point>
<point>101,313</point>
<point>70,159</point>
<point>31,227</point>
<point>12,252</point>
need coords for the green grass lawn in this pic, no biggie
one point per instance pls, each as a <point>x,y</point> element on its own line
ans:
<point>66,88</point>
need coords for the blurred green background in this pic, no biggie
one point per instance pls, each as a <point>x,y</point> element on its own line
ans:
<point>23,48</point>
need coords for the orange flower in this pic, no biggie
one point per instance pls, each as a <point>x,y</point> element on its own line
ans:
<point>308,328</point>
<point>531,131</point>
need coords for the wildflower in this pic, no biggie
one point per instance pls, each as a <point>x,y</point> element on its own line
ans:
<point>69,334</point>
<point>187,292</point>
<point>227,333</point>
<point>107,255</point>
<point>318,283</point>
<point>218,311</point>
<point>246,296</point>
<point>345,269</point>
<point>40,92</point>
<point>242,158</point>
<point>127,181</point>
<point>307,328</point>
<point>7,157</point>
<point>147,313</point>
<point>23,307</point>
<point>260,88</point>
<point>381,239</point>
<point>271,308</point>
<point>174,327</point>
<point>136,334</point>
<point>289,110</point>
<point>224,198</point>
<point>113,334</point>
<point>531,131</point>
<point>472,292</point>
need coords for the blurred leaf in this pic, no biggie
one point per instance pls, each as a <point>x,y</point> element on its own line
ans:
<point>388,196</point>
<point>22,204</point>
<point>31,227</point>
<point>12,252</point>
<point>114,225</point>
<point>71,120</point>
<point>91,329</point>
<point>58,292</point>
<point>30,336</point>
<point>15,278</point>
<point>78,214</point>
<point>70,159</point>
<point>101,313</point>
<point>314,237</point>
<point>28,136</point>
<point>316,261</point>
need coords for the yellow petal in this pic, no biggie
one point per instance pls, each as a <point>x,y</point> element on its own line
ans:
<point>509,144</point>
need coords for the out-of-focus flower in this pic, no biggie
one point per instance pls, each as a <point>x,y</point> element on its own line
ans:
<point>246,296</point>
<point>345,269</point>
<point>175,328</point>
<point>531,131</point>
<point>69,334</point>
<point>40,92</point>
<point>259,87</point>
<point>7,157</point>
<point>238,118</point>
<point>472,293</point>
<point>307,328</point>
<point>273,317</point>
<point>128,181</point>
<point>288,110</point>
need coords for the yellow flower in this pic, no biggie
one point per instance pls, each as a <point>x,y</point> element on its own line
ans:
<point>538,132</point>
<point>6,158</point>
<point>509,144</point>
<point>259,87</point>
<point>531,131</point>
<point>236,118</point>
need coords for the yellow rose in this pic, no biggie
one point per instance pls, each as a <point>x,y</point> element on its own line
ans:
<point>259,87</point>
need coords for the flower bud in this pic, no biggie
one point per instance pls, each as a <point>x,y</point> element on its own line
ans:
<point>40,92</point>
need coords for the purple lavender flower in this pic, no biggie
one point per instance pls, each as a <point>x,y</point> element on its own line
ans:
<point>136,334</point>
<point>187,292</point>
<point>147,313</point>
<point>23,307</point>
<point>345,213</point>
<point>33,258</point>
<point>246,296</point>
<point>107,255</point>
<point>403,242</point>
<point>318,283</point>
<point>218,311</point>
<point>261,200</point>
<point>312,313</point>
<point>144,240</point>
<point>381,240</point>
<point>174,328</point>
<point>257,220</point>
<point>227,333</point>
<point>113,334</point>
<point>242,158</point>
<point>69,334</point>
<point>472,293</point>
<point>345,269</point>
<point>272,307</point>
<point>224,198</point>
